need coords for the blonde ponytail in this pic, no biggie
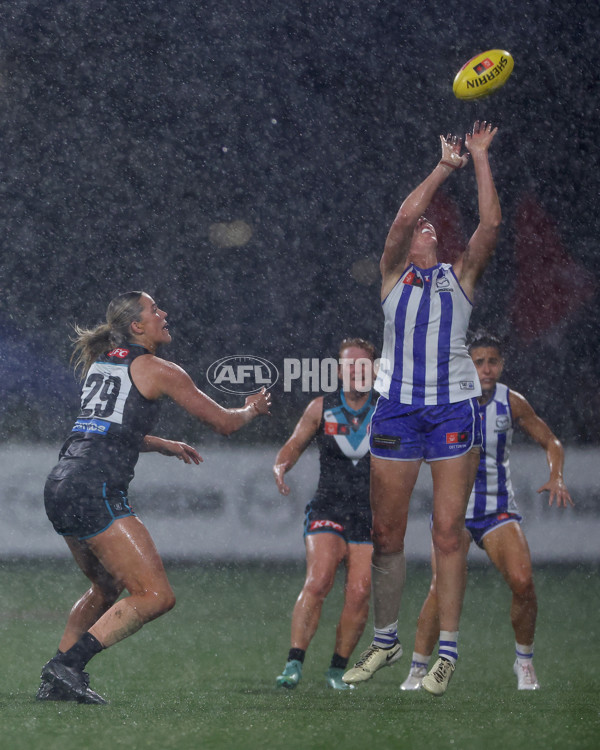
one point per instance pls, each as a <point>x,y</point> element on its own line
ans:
<point>91,343</point>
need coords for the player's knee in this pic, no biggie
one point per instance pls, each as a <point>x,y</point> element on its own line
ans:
<point>386,539</point>
<point>158,601</point>
<point>359,594</point>
<point>318,586</point>
<point>167,601</point>
<point>522,586</point>
<point>447,541</point>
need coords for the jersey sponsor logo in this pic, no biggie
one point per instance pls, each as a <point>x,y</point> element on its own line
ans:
<point>121,353</point>
<point>333,428</point>
<point>412,279</point>
<point>91,426</point>
<point>317,525</point>
<point>456,437</point>
<point>502,423</point>
<point>467,385</point>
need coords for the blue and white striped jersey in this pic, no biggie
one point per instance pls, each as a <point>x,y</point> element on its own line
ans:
<point>493,491</point>
<point>424,358</point>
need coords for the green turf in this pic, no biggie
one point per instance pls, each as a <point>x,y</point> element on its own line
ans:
<point>203,675</point>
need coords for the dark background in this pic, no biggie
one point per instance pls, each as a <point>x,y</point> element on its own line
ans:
<point>129,128</point>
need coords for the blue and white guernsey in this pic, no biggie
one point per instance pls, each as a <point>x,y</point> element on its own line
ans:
<point>493,491</point>
<point>424,360</point>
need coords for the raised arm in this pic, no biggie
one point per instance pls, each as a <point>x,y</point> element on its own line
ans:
<point>399,238</point>
<point>538,430</point>
<point>303,433</point>
<point>471,265</point>
<point>155,377</point>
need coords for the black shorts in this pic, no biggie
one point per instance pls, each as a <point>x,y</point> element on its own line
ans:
<point>80,507</point>
<point>353,525</point>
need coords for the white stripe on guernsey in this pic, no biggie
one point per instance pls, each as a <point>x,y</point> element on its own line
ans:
<point>431,349</point>
<point>406,391</point>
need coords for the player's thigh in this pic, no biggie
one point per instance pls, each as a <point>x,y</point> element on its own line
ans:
<point>507,548</point>
<point>128,553</point>
<point>452,483</point>
<point>92,568</point>
<point>392,484</point>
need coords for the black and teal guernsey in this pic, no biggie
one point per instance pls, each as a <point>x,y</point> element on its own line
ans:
<point>113,420</point>
<point>343,442</point>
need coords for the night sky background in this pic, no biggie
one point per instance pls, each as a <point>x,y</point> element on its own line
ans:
<point>128,130</point>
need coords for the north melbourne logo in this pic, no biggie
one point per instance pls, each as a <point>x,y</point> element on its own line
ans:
<point>242,374</point>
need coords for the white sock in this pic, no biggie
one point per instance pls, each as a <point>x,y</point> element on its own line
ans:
<point>448,645</point>
<point>419,661</point>
<point>524,653</point>
<point>386,637</point>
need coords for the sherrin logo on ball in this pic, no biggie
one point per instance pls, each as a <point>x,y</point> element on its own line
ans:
<point>483,74</point>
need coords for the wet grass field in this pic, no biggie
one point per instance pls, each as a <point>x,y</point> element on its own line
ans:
<point>203,675</point>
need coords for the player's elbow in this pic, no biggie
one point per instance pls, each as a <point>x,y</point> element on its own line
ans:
<point>225,428</point>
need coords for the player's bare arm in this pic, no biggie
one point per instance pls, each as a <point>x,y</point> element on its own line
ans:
<point>398,242</point>
<point>155,377</point>
<point>182,451</point>
<point>525,416</point>
<point>303,433</point>
<point>471,265</point>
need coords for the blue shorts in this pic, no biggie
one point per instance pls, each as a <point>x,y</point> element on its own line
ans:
<point>403,432</point>
<point>479,527</point>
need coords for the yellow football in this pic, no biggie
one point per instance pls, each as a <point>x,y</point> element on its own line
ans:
<point>483,74</point>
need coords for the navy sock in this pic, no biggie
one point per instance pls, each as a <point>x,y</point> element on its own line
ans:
<point>79,654</point>
<point>338,662</point>
<point>297,654</point>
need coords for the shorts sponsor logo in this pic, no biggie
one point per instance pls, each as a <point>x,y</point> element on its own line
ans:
<point>317,525</point>
<point>120,353</point>
<point>386,442</point>
<point>242,374</point>
<point>456,437</point>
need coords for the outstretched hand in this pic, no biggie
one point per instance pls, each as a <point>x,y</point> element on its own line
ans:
<point>279,473</point>
<point>261,401</point>
<point>451,156</point>
<point>479,140</point>
<point>558,491</point>
<point>182,451</point>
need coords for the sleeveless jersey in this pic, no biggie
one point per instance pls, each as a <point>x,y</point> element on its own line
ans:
<point>424,359</point>
<point>493,491</point>
<point>114,418</point>
<point>343,443</point>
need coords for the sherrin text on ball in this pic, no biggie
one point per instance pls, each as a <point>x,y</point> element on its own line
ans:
<point>483,74</point>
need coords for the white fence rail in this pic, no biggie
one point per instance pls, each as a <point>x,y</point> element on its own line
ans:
<point>228,508</point>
